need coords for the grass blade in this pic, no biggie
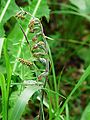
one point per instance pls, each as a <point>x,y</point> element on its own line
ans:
<point>86,113</point>
<point>1,45</point>
<point>67,112</point>
<point>54,76</point>
<point>8,66</point>
<point>22,101</point>
<point>4,10</point>
<point>83,77</point>
<point>71,12</point>
<point>8,70</point>
<point>4,99</point>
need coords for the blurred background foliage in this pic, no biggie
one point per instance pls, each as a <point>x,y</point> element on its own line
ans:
<point>68,23</point>
<point>69,27</point>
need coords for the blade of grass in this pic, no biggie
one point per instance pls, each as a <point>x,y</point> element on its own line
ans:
<point>4,10</point>
<point>67,112</point>
<point>86,113</point>
<point>54,76</point>
<point>71,12</point>
<point>22,101</point>
<point>60,80</point>
<point>4,99</point>
<point>26,32</point>
<point>53,92</point>
<point>66,6</point>
<point>50,106</point>
<point>1,45</point>
<point>42,117</point>
<point>65,12</point>
<point>8,70</point>
<point>83,77</point>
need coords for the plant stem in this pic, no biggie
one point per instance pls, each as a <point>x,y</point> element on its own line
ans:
<point>4,97</point>
<point>54,76</point>
<point>4,10</point>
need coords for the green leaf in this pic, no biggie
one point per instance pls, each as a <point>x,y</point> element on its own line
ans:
<point>22,101</point>
<point>14,42</point>
<point>84,53</point>
<point>8,9</point>
<point>8,68</point>
<point>86,113</point>
<point>4,99</point>
<point>3,5</point>
<point>13,98</point>
<point>1,31</point>
<point>1,45</point>
<point>43,9</point>
<point>83,5</point>
<point>79,3</point>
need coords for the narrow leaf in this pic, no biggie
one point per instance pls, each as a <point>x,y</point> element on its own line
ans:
<point>8,9</point>
<point>86,113</point>
<point>4,10</point>
<point>22,101</point>
<point>8,68</point>
<point>4,99</point>
<point>1,45</point>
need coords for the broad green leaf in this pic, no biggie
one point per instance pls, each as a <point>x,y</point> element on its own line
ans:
<point>86,113</point>
<point>22,101</point>
<point>13,98</point>
<point>1,45</point>
<point>4,98</point>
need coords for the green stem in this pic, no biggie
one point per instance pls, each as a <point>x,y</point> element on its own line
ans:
<point>54,76</point>
<point>4,97</point>
<point>4,10</point>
